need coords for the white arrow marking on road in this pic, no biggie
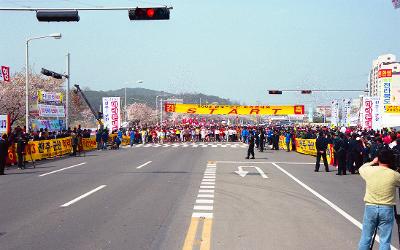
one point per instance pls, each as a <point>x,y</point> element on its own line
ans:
<point>243,173</point>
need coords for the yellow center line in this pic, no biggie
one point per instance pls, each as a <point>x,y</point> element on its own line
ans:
<point>191,234</point>
<point>206,235</point>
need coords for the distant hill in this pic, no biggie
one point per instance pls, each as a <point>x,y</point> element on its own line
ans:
<point>148,96</point>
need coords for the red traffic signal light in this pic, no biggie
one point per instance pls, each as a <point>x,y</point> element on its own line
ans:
<point>306,92</point>
<point>275,92</point>
<point>149,13</point>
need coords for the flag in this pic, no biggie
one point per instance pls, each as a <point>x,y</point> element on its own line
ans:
<point>5,73</point>
<point>396,4</point>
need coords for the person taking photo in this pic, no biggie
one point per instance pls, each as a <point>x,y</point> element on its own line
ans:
<point>381,182</point>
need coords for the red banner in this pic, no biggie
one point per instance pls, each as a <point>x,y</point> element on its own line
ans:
<point>5,71</point>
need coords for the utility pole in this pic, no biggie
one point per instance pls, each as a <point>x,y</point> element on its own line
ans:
<point>68,73</point>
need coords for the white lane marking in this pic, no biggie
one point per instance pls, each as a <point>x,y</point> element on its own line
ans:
<point>166,146</point>
<point>83,196</point>
<point>206,191</point>
<point>195,146</point>
<point>328,202</point>
<point>214,146</point>
<point>203,207</point>
<point>205,196</point>
<point>147,163</point>
<point>59,170</point>
<point>268,162</point>
<point>147,145</point>
<point>203,215</point>
<point>202,201</point>
<point>140,145</point>
<point>207,183</point>
<point>207,186</point>
<point>223,146</point>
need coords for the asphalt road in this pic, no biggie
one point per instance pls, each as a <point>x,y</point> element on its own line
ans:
<point>180,197</point>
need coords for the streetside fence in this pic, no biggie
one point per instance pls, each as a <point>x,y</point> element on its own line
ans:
<point>307,147</point>
<point>39,150</point>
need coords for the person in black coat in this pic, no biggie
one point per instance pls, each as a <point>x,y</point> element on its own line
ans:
<point>352,153</point>
<point>21,142</point>
<point>321,145</point>
<point>262,139</point>
<point>340,147</point>
<point>250,150</point>
<point>3,153</point>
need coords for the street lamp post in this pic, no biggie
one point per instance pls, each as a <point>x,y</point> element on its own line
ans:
<point>55,36</point>
<point>126,112</point>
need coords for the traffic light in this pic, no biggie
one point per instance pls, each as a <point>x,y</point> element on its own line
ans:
<point>275,92</point>
<point>57,16</point>
<point>306,92</point>
<point>51,74</point>
<point>161,13</point>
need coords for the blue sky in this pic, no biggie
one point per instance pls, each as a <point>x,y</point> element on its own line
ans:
<point>233,49</point>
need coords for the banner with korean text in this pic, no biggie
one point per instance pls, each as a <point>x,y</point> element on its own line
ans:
<point>335,112</point>
<point>50,97</point>
<point>112,112</point>
<point>51,111</point>
<point>4,124</point>
<point>371,117</point>
<point>5,73</point>
<point>233,109</point>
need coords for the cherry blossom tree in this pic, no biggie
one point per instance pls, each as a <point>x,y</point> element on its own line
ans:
<point>141,113</point>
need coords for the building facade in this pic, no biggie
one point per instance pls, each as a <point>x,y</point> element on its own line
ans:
<point>384,83</point>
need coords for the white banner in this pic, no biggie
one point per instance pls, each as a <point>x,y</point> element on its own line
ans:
<point>112,113</point>
<point>4,124</point>
<point>346,108</point>
<point>335,112</point>
<point>51,110</point>
<point>371,116</point>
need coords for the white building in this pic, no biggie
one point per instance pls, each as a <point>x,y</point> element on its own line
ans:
<point>384,82</point>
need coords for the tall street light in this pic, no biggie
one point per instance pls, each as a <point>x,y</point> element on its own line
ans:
<point>55,36</point>
<point>126,113</point>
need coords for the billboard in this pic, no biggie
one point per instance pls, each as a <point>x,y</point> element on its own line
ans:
<point>50,97</point>
<point>51,125</point>
<point>112,112</point>
<point>234,109</point>
<point>46,110</point>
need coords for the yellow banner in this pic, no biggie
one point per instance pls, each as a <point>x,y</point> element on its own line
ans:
<point>89,144</point>
<point>37,150</point>
<point>234,110</point>
<point>282,143</point>
<point>392,109</point>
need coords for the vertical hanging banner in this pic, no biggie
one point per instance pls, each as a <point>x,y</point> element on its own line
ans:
<point>111,112</point>
<point>346,108</point>
<point>371,117</point>
<point>335,113</point>
<point>5,73</point>
<point>5,124</point>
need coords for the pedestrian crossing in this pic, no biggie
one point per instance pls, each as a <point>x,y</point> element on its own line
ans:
<point>189,145</point>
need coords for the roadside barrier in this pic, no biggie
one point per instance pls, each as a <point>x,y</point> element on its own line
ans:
<point>307,147</point>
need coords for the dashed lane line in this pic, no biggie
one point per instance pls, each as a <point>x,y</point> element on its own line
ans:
<point>62,169</point>
<point>147,163</point>
<point>202,212</point>
<point>83,196</point>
